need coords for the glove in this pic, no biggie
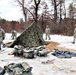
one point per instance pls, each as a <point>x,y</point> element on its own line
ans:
<point>3,37</point>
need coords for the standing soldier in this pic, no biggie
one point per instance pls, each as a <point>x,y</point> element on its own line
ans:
<point>74,34</point>
<point>2,36</point>
<point>47,32</point>
<point>14,34</point>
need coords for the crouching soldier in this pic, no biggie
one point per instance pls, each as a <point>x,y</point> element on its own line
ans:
<point>2,36</point>
<point>74,35</point>
<point>14,35</point>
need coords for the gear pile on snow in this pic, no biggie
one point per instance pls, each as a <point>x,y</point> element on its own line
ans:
<point>17,69</point>
<point>63,54</point>
<point>30,52</point>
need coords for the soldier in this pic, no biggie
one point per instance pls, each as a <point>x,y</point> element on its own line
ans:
<point>14,34</point>
<point>2,36</point>
<point>74,34</point>
<point>47,32</point>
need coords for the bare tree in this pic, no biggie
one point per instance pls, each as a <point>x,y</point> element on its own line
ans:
<point>22,4</point>
<point>71,12</point>
<point>25,9</point>
<point>60,1</point>
<point>45,16</point>
<point>55,12</point>
<point>64,10</point>
<point>36,2</point>
<point>71,15</point>
<point>55,4</point>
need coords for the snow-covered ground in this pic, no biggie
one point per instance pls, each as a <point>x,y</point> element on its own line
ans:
<point>56,67</point>
<point>64,41</point>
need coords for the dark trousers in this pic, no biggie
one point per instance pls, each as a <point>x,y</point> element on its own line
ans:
<point>48,36</point>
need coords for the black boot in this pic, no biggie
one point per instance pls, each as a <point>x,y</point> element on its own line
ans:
<point>0,48</point>
<point>49,38</point>
<point>73,42</point>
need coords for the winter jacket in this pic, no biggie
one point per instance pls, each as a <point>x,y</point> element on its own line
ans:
<point>14,33</point>
<point>75,32</point>
<point>47,30</point>
<point>2,33</point>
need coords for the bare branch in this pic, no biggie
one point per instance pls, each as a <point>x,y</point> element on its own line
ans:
<point>37,3</point>
<point>26,8</point>
<point>30,12</point>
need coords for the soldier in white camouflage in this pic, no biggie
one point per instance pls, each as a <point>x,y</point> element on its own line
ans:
<point>14,34</point>
<point>2,36</point>
<point>47,32</point>
<point>74,34</point>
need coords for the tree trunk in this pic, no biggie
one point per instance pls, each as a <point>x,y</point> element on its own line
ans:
<point>31,37</point>
<point>55,13</point>
<point>36,13</point>
<point>60,14</point>
<point>25,14</point>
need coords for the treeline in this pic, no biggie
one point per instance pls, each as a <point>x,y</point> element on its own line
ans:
<point>65,28</point>
<point>9,26</point>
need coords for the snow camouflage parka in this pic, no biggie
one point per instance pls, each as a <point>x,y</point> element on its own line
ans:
<point>2,33</point>
<point>47,30</point>
<point>14,33</point>
<point>75,33</point>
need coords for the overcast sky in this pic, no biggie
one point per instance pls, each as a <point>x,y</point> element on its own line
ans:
<point>9,11</point>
